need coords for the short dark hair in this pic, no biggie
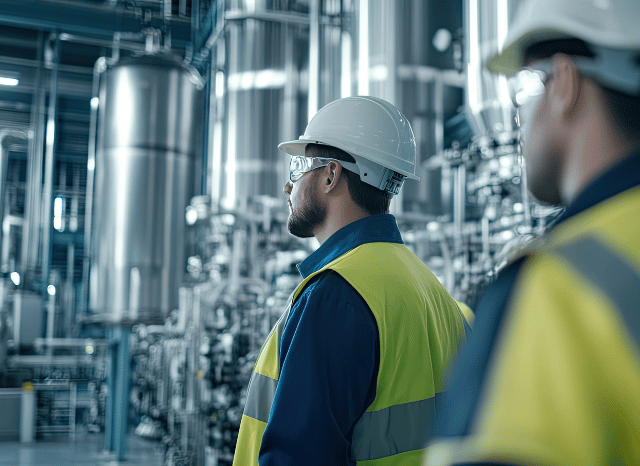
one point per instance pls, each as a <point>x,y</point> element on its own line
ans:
<point>369,198</point>
<point>624,109</point>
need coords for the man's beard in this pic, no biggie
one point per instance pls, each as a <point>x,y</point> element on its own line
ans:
<point>306,217</point>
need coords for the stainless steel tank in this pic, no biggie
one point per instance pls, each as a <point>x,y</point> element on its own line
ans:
<point>149,133</point>
<point>266,46</point>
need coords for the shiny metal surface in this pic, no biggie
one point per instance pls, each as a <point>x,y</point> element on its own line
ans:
<point>487,96</point>
<point>259,102</point>
<point>150,124</point>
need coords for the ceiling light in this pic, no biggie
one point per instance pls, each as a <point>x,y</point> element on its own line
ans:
<point>5,81</point>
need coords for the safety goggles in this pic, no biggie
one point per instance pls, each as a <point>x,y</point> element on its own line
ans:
<point>526,89</point>
<point>300,165</point>
<point>527,86</point>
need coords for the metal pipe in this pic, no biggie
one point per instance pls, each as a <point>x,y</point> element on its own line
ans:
<point>30,235</point>
<point>7,137</point>
<point>47,204</point>
<point>438,90</point>
<point>99,67</point>
<point>51,317</point>
<point>66,37</point>
<point>69,304</point>
<point>314,58</point>
<point>265,15</point>
<point>459,202</point>
<point>363,48</point>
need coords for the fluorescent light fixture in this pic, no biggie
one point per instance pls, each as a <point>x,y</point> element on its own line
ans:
<point>5,81</point>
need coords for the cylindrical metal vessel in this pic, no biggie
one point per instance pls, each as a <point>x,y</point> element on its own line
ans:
<point>149,133</point>
<point>265,48</point>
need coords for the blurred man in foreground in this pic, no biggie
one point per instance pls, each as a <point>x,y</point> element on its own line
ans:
<point>551,374</point>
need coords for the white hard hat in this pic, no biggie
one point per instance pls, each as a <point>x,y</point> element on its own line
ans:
<point>610,26</point>
<point>373,131</point>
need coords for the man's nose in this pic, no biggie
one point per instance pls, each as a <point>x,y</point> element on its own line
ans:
<point>288,187</point>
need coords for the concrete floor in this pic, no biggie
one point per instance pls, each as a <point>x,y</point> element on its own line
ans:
<point>87,450</point>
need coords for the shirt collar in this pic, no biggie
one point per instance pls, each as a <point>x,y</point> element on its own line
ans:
<point>621,177</point>
<point>372,229</point>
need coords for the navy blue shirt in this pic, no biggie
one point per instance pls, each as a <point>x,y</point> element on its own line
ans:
<point>329,358</point>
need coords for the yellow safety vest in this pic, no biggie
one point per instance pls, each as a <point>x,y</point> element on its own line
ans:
<point>419,326</point>
<point>563,386</point>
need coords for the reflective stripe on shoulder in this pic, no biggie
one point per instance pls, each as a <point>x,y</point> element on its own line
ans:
<point>396,429</point>
<point>260,397</point>
<point>612,274</point>
<point>280,325</point>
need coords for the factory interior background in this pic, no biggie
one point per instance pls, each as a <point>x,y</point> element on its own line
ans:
<point>144,252</point>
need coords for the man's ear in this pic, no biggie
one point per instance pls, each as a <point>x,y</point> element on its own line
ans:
<point>331,175</point>
<point>565,85</point>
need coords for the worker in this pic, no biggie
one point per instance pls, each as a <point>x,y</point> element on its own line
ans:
<point>551,374</point>
<point>350,371</point>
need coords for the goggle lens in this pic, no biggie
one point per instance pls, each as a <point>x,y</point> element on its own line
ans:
<point>299,166</point>
<point>526,86</point>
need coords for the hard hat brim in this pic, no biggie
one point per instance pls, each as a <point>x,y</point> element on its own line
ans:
<point>296,147</point>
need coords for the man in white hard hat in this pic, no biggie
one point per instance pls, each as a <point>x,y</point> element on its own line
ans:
<point>350,372</point>
<point>552,373</point>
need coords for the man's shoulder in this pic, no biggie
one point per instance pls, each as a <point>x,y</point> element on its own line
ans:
<point>330,283</point>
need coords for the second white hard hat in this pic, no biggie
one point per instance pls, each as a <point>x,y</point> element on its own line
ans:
<point>373,131</point>
<point>612,24</point>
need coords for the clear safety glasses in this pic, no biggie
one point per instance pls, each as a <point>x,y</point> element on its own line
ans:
<point>300,165</point>
<point>526,88</point>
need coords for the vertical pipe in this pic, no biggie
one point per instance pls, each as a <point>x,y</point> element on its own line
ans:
<point>98,68</point>
<point>47,204</point>
<point>314,58</point>
<point>195,21</point>
<point>73,402</point>
<point>486,244</point>
<point>111,391</point>
<point>75,200</point>
<point>459,200</point>
<point>290,89</point>
<point>6,138</point>
<point>4,160</point>
<point>30,236</point>
<point>438,99</point>
<point>363,48</point>
<point>51,318</point>
<point>201,177</point>
<point>69,311</point>
<point>391,88</point>
<point>121,395</point>
<point>27,414</point>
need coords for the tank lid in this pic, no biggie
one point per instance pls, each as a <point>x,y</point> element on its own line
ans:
<point>160,60</point>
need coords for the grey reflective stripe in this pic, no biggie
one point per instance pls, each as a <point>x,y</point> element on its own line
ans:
<point>261,388</point>
<point>612,274</point>
<point>260,397</point>
<point>393,430</point>
<point>282,322</point>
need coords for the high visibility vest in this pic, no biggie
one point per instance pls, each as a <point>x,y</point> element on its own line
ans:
<point>563,385</point>
<point>419,326</point>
